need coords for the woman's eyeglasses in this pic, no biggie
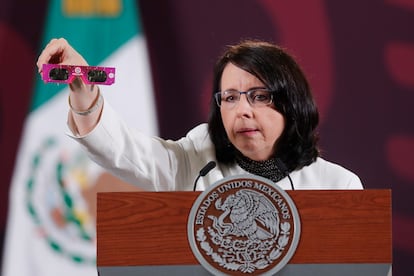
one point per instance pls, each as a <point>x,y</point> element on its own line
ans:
<point>89,74</point>
<point>257,97</point>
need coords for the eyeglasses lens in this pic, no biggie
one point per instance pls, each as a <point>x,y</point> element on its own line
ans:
<point>59,74</point>
<point>97,76</point>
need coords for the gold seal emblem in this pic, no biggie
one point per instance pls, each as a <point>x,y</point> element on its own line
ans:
<point>243,225</point>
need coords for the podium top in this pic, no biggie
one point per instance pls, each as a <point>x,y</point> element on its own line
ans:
<point>150,228</point>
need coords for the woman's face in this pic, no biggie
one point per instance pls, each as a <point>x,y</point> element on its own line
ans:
<point>252,130</point>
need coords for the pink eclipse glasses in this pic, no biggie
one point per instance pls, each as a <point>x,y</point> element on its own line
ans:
<point>89,74</point>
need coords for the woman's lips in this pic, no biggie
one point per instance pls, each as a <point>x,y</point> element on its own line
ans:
<point>247,131</point>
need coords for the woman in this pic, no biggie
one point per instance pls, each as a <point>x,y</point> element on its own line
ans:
<point>263,121</point>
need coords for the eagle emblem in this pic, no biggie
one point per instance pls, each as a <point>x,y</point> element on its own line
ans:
<point>243,225</point>
<point>251,215</point>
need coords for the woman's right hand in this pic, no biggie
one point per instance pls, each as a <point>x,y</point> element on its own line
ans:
<point>59,51</point>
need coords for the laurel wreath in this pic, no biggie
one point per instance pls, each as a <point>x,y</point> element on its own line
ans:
<point>282,241</point>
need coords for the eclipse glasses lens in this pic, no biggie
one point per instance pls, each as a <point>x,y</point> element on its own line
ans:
<point>89,74</point>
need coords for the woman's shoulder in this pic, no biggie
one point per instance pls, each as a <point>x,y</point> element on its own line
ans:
<point>198,135</point>
<point>324,174</point>
<point>323,163</point>
<point>200,130</point>
<point>198,139</point>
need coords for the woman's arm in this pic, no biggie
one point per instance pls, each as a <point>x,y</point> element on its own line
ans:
<point>82,97</point>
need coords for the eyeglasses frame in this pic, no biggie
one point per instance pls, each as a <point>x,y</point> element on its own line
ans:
<point>217,96</point>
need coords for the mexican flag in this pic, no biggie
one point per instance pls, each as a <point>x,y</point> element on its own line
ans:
<point>51,221</point>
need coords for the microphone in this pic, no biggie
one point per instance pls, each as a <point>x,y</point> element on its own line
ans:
<point>284,170</point>
<point>205,170</point>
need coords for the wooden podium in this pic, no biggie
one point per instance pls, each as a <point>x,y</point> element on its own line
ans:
<point>343,232</point>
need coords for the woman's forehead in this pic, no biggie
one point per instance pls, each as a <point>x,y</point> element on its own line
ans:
<point>234,77</point>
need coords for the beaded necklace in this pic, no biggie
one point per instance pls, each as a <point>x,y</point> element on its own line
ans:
<point>268,168</point>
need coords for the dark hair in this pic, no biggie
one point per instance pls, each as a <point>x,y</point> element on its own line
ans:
<point>297,146</point>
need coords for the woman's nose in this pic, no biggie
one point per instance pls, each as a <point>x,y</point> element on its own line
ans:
<point>243,107</point>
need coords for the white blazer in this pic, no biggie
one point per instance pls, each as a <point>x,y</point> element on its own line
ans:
<point>155,164</point>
